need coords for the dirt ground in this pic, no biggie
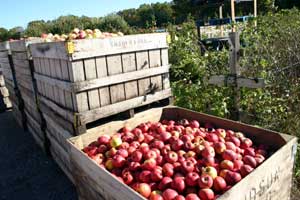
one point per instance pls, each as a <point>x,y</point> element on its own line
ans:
<point>25,171</point>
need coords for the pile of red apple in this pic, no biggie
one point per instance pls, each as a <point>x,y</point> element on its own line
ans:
<point>76,34</point>
<point>177,160</point>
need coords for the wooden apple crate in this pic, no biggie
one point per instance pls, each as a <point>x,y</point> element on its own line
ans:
<point>86,80</point>
<point>25,83</point>
<point>271,180</point>
<point>4,64</point>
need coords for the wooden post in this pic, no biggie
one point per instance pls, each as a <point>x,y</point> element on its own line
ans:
<point>235,72</point>
<point>221,17</point>
<point>233,15</point>
<point>255,12</point>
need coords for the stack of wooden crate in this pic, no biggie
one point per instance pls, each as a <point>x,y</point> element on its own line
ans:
<point>7,73</point>
<point>23,68</point>
<point>82,81</point>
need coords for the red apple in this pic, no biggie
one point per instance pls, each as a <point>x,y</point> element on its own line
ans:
<point>211,137</point>
<point>165,136</point>
<point>227,164</point>
<point>122,152</point>
<point>205,181</point>
<point>246,143</point>
<point>168,169</point>
<point>191,179</point>
<point>109,164</point>
<point>192,196</point>
<point>133,166</point>
<point>179,197</point>
<point>127,178</point>
<point>144,189</point>
<point>221,132</point>
<point>145,176</point>
<point>230,146</point>
<point>245,170</point>
<point>259,158</point>
<point>178,184</point>
<point>157,144</point>
<point>177,145</point>
<point>149,164</point>
<point>229,155</point>
<point>206,194</point>
<point>169,194</point>
<point>165,183</point>
<point>156,175</point>
<point>208,151</point>
<point>104,139</point>
<point>118,161</point>
<point>144,148</point>
<point>194,124</point>
<point>188,166</point>
<point>249,160</point>
<point>219,184</point>
<point>220,147</point>
<point>156,196</point>
<point>171,157</point>
<point>232,177</point>
<point>150,154</point>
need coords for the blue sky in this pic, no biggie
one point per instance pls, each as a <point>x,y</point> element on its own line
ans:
<point>20,12</point>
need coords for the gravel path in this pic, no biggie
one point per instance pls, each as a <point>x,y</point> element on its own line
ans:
<point>25,171</point>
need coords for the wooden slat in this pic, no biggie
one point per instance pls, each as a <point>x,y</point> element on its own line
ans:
<point>77,71</point>
<point>128,61</point>
<point>94,99</point>
<point>131,43</point>
<point>117,93</point>
<point>115,79</point>
<point>101,67</point>
<point>20,55</point>
<point>90,68</point>
<point>104,96</point>
<point>81,102</point>
<point>154,58</point>
<point>64,65</point>
<point>164,57</point>
<point>56,50</point>
<point>92,115</point>
<point>131,89</point>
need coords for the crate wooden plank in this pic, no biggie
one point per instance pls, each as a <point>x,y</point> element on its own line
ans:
<point>128,61</point>
<point>104,96</point>
<point>68,100</point>
<point>77,71</point>
<point>20,55</point>
<point>110,80</point>
<point>164,57</point>
<point>94,99</point>
<point>142,60</point>
<point>154,58</point>
<point>57,132</point>
<point>271,180</point>
<point>101,67</point>
<point>3,54</point>
<point>92,115</point>
<point>131,89</point>
<point>61,158</point>
<point>90,68</point>
<point>82,102</point>
<point>2,82</point>
<point>35,129</point>
<point>64,65</point>
<point>56,50</point>
<point>143,85</point>
<point>117,93</point>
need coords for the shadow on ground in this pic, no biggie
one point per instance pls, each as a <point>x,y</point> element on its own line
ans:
<point>25,171</point>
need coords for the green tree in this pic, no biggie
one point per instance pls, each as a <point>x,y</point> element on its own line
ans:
<point>36,28</point>
<point>4,34</point>
<point>114,23</point>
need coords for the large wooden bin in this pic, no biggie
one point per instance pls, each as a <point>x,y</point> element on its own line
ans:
<point>4,65</point>
<point>86,80</point>
<point>25,83</point>
<point>271,180</point>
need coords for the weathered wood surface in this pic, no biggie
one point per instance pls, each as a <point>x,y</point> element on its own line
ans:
<point>271,180</point>
<point>34,128</point>
<point>98,47</point>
